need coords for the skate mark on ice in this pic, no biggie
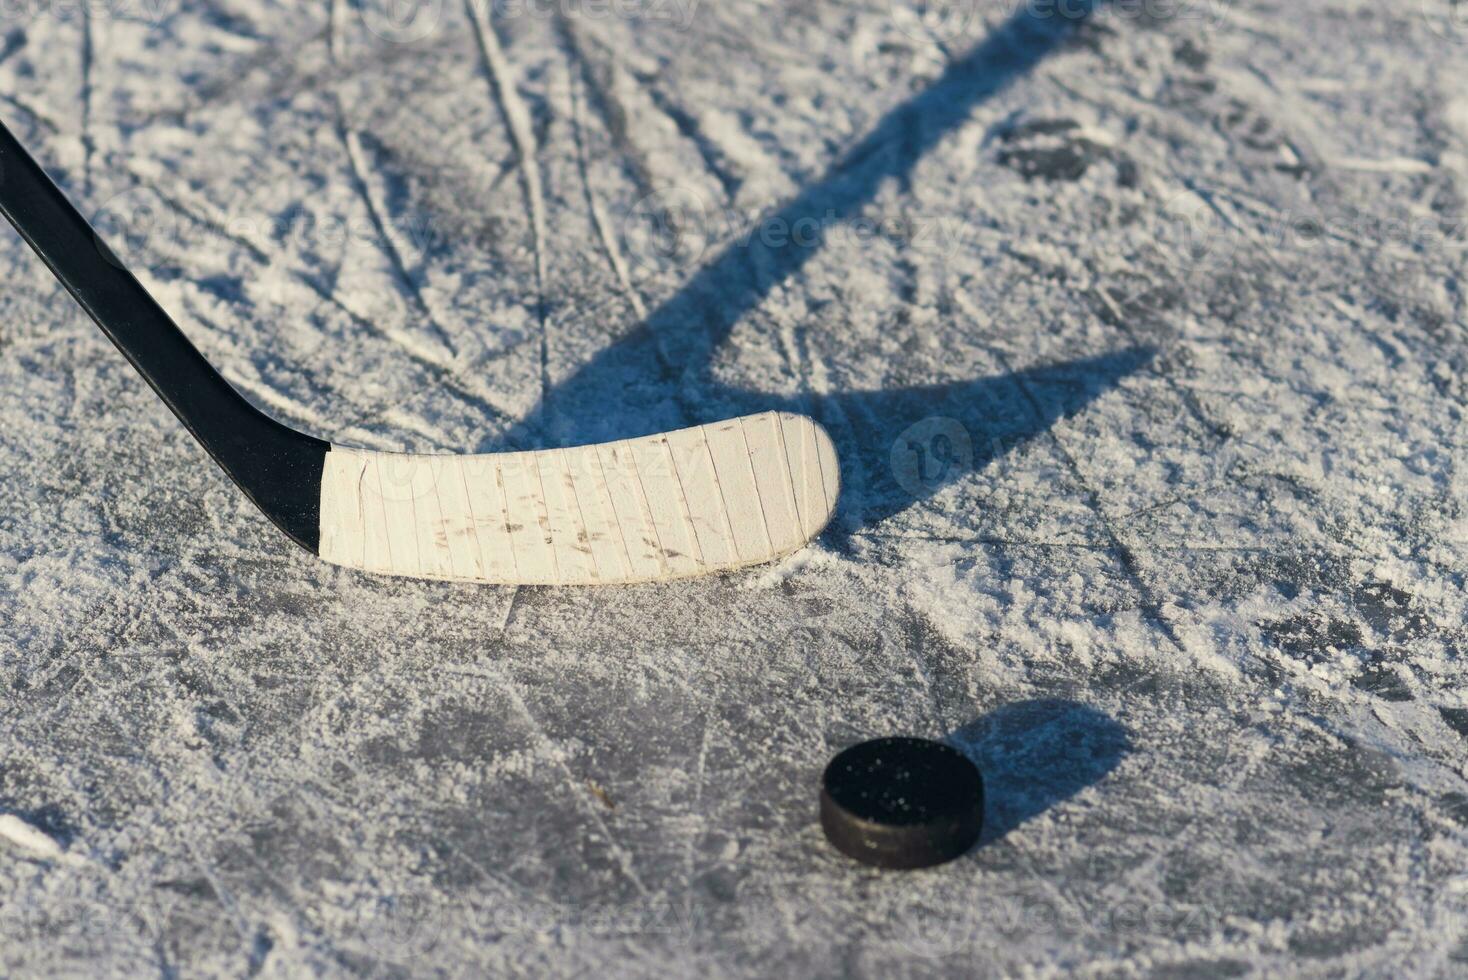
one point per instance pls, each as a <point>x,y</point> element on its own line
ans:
<point>604,234</point>
<point>88,59</point>
<point>357,167</point>
<point>598,78</point>
<point>446,371</point>
<point>522,134</point>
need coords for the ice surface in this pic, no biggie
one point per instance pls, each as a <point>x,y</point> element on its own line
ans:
<point>1142,337</point>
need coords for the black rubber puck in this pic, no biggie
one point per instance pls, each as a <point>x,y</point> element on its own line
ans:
<point>902,802</point>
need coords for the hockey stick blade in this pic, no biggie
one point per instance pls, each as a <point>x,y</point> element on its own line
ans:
<point>711,498</point>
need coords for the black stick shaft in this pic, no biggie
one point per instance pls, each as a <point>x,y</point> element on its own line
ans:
<point>277,468</point>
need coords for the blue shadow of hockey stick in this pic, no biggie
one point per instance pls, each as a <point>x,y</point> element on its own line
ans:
<point>658,375</point>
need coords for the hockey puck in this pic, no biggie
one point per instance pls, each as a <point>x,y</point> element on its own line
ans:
<point>902,802</point>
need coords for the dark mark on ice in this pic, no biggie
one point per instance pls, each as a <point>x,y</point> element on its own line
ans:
<point>190,887</point>
<point>1058,150</point>
<point>601,794</point>
<point>1457,719</point>
<point>1382,680</point>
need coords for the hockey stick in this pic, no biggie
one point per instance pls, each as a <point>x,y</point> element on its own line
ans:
<point>705,499</point>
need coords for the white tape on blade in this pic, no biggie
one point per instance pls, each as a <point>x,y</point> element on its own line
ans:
<point>707,499</point>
